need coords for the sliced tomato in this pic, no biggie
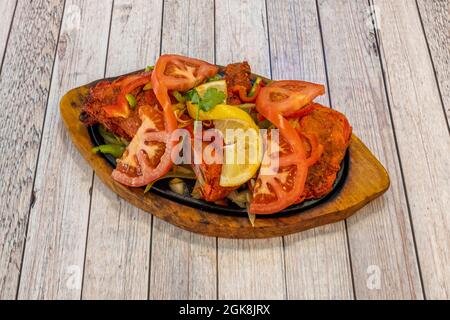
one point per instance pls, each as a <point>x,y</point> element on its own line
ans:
<point>278,189</point>
<point>316,149</point>
<point>288,97</point>
<point>127,85</point>
<point>182,73</point>
<point>301,112</point>
<point>145,158</point>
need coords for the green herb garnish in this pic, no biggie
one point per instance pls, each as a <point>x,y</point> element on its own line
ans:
<point>211,98</point>
<point>149,68</point>
<point>193,96</point>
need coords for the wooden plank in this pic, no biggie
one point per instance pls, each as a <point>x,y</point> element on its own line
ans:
<point>317,261</point>
<point>422,136</point>
<point>56,240</point>
<point>118,247</point>
<point>7,13</point>
<point>435,16</point>
<point>24,83</point>
<point>381,242</point>
<point>248,269</point>
<point>183,264</point>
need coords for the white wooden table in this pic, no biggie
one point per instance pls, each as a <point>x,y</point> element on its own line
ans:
<point>64,235</point>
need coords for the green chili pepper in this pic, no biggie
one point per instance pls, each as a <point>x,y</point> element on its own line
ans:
<point>148,86</point>
<point>215,78</point>
<point>255,85</point>
<point>113,149</point>
<point>111,138</point>
<point>131,100</point>
<point>180,98</point>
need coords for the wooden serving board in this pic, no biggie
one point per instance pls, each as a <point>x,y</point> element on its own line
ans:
<point>367,179</point>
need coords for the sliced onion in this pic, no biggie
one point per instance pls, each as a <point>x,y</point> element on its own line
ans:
<point>177,172</point>
<point>182,122</point>
<point>239,198</point>
<point>251,217</point>
<point>177,185</point>
<point>196,192</point>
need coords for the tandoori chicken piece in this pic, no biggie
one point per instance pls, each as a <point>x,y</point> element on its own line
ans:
<point>105,93</point>
<point>208,181</point>
<point>208,175</point>
<point>333,132</point>
<point>237,74</point>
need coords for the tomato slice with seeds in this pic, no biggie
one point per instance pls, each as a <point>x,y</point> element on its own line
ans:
<point>289,97</point>
<point>145,158</point>
<point>179,73</point>
<point>280,187</point>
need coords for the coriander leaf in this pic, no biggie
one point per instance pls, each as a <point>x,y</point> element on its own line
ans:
<point>193,96</point>
<point>196,98</point>
<point>211,98</point>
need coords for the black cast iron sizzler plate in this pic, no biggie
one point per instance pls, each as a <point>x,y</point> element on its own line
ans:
<point>161,188</point>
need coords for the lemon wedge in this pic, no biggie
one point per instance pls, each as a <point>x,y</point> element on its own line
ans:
<point>243,144</point>
<point>242,156</point>
<point>220,85</point>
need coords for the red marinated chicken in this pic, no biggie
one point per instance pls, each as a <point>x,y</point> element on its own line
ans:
<point>333,132</point>
<point>237,74</point>
<point>105,93</point>
<point>208,182</point>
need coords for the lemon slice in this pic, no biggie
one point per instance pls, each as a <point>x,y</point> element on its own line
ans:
<point>220,85</point>
<point>243,144</point>
<point>242,154</point>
